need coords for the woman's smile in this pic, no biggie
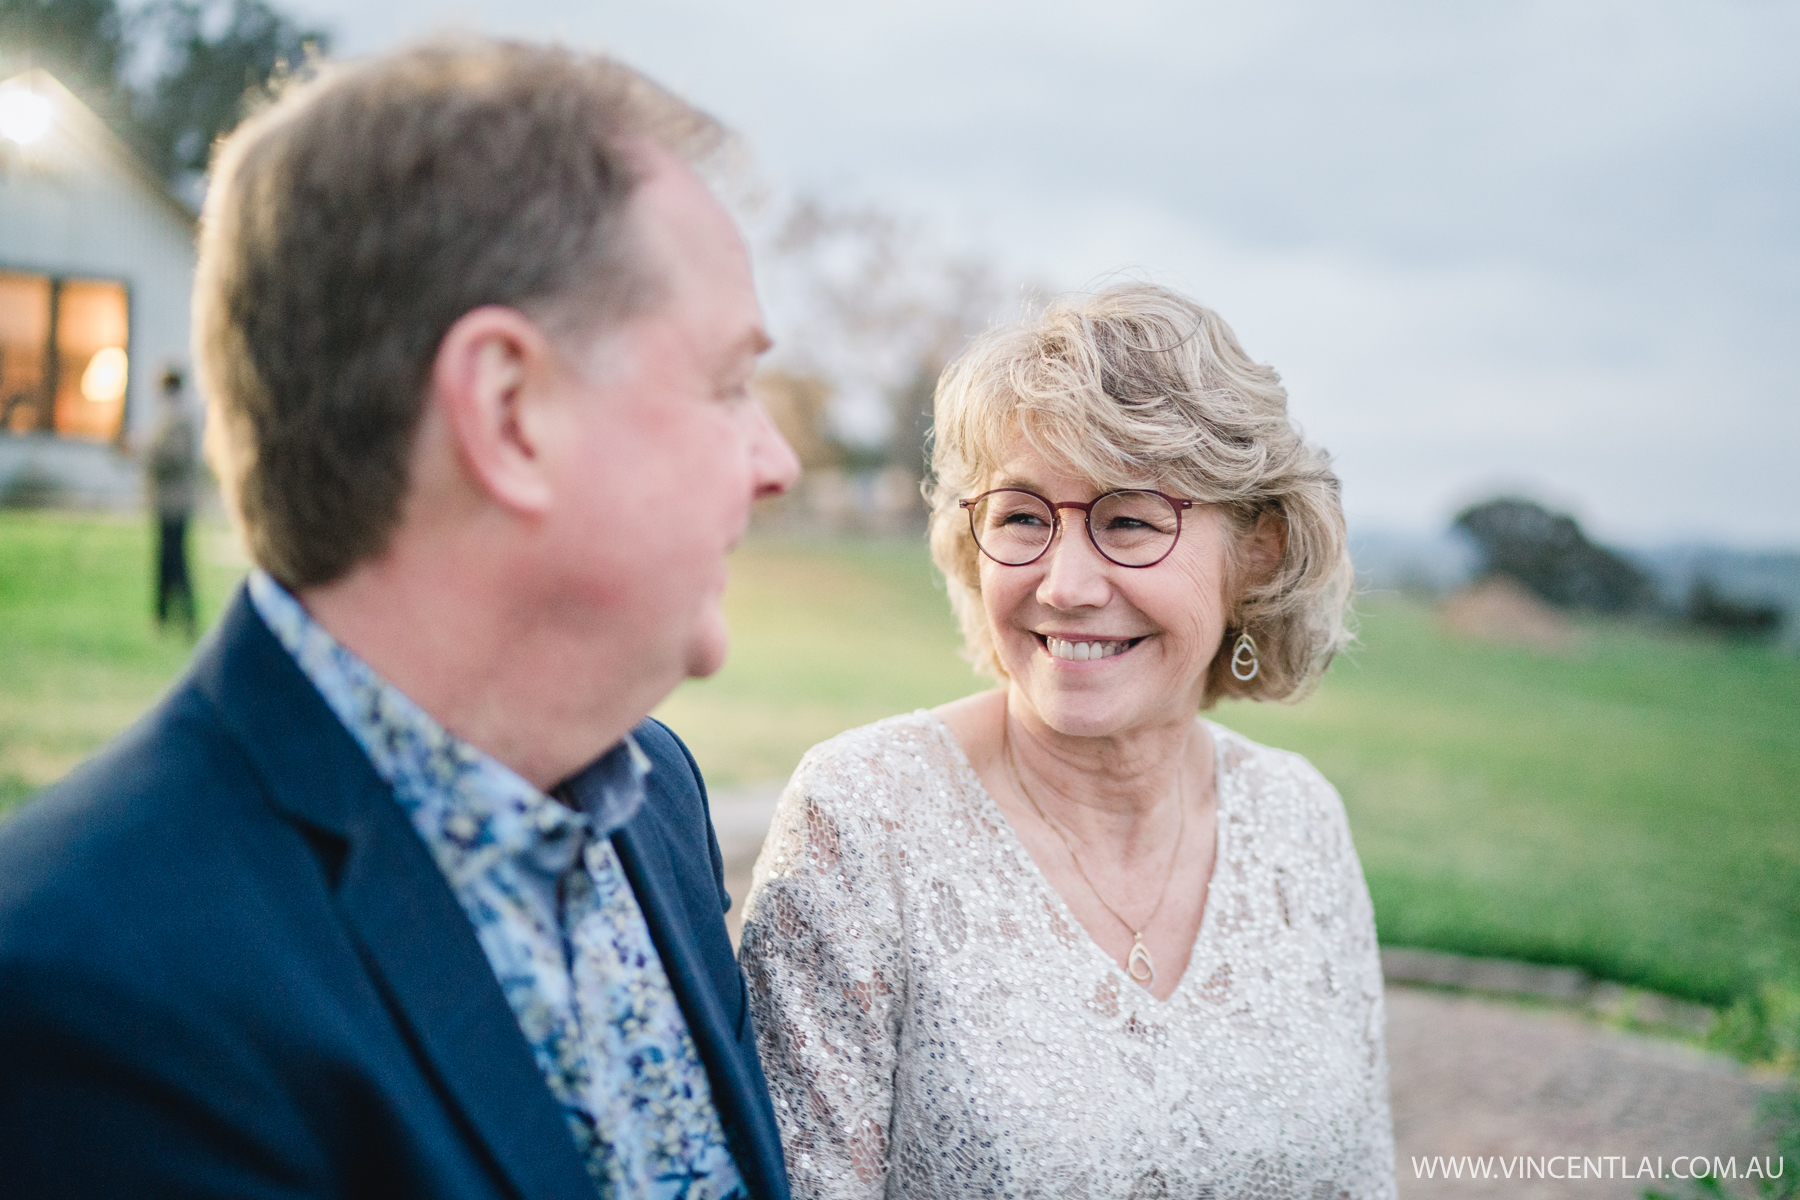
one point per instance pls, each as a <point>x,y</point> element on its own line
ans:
<point>1085,649</point>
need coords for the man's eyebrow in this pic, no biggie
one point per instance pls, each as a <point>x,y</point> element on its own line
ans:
<point>753,344</point>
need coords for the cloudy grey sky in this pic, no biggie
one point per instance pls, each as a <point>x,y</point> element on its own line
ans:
<point>1545,247</point>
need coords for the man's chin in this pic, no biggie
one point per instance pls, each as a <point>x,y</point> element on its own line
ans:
<point>708,650</point>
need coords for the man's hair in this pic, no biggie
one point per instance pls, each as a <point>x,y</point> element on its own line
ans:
<point>357,218</point>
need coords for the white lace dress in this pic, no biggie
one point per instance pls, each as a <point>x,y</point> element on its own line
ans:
<point>934,1023</point>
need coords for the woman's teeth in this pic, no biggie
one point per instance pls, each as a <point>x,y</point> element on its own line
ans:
<point>1081,651</point>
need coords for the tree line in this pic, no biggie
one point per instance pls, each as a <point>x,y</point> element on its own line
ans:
<point>169,76</point>
<point>1549,554</point>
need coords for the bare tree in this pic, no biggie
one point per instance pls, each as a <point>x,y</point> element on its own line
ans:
<point>170,76</point>
<point>870,302</point>
<point>800,407</point>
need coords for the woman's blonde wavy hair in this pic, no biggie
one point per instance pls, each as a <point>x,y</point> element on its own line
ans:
<point>1138,386</point>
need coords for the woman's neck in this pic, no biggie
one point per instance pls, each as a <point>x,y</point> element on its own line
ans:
<point>1123,793</point>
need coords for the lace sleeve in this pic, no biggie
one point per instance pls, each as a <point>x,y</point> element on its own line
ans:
<point>822,952</point>
<point>1370,1132</point>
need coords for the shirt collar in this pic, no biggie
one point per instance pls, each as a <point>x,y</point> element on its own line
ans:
<point>470,807</point>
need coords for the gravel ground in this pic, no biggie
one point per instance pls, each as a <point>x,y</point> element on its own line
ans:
<point>1525,1086</point>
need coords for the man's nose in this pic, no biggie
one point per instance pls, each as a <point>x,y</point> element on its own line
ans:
<point>773,462</point>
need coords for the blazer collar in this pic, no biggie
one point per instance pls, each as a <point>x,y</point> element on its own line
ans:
<point>738,1089</point>
<point>412,934</point>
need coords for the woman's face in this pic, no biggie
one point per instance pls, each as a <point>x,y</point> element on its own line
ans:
<point>1158,627</point>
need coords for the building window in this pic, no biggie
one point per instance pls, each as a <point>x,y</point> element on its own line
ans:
<point>64,346</point>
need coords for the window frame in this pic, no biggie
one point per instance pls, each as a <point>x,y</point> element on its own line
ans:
<point>57,279</point>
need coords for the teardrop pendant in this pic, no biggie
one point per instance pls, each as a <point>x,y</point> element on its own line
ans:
<point>1139,959</point>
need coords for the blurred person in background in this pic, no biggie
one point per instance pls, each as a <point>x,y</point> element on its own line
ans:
<point>398,893</point>
<point>173,466</point>
<point>1064,937</point>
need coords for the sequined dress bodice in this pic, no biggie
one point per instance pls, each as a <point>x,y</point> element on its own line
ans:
<point>934,1022</point>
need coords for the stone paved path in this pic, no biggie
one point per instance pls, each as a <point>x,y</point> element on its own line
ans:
<point>1474,1076</point>
<point>1479,1077</point>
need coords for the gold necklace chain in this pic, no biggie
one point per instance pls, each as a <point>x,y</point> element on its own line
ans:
<point>1140,954</point>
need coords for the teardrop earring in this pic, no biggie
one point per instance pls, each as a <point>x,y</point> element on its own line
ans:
<point>1244,663</point>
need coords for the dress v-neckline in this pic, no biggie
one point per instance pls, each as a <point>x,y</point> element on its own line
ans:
<point>1062,910</point>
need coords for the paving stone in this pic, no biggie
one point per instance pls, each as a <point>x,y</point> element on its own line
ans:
<point>1402,965</point>
<point>740,819</point>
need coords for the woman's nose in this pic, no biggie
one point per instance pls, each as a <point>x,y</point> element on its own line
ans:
<point>1075,575</point>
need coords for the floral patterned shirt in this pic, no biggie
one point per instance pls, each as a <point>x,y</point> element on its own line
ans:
<point>556,918</point>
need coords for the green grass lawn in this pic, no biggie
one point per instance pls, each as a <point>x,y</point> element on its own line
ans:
<point>80,657</point>
<point>1630,807</point>
<point>824,638</point>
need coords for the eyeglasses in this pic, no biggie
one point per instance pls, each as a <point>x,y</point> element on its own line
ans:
<point>1131,527</point>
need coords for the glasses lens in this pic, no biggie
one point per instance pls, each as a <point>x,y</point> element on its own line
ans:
<point>1134,529</point>
<point>1012,527</point>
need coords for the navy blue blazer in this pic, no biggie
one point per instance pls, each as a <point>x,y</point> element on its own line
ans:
<point>229,967</point>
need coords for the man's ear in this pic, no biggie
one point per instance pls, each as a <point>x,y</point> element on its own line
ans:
<point>490,368</point>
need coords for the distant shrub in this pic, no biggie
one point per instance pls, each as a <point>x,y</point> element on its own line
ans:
<point>31,487</point>
<point>1763,1027</point>
<point>1548,553</point>
<point>1708,608</point>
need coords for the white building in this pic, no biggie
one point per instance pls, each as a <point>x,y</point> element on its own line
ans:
<point>96,267</point>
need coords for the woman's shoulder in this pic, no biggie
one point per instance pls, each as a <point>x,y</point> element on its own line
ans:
<point>1278,787</point>
<point>900,732</point>
<point>888,753</point>
<point>859,797</point>
<point>881,776</point>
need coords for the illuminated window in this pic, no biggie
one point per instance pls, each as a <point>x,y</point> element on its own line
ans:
<point>64,346</point>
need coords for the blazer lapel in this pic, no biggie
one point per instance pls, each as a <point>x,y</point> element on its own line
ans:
<point>741,1097</point>
<point>410,930</point>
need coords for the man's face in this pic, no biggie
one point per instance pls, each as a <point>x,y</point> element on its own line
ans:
<point>661,448</point>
